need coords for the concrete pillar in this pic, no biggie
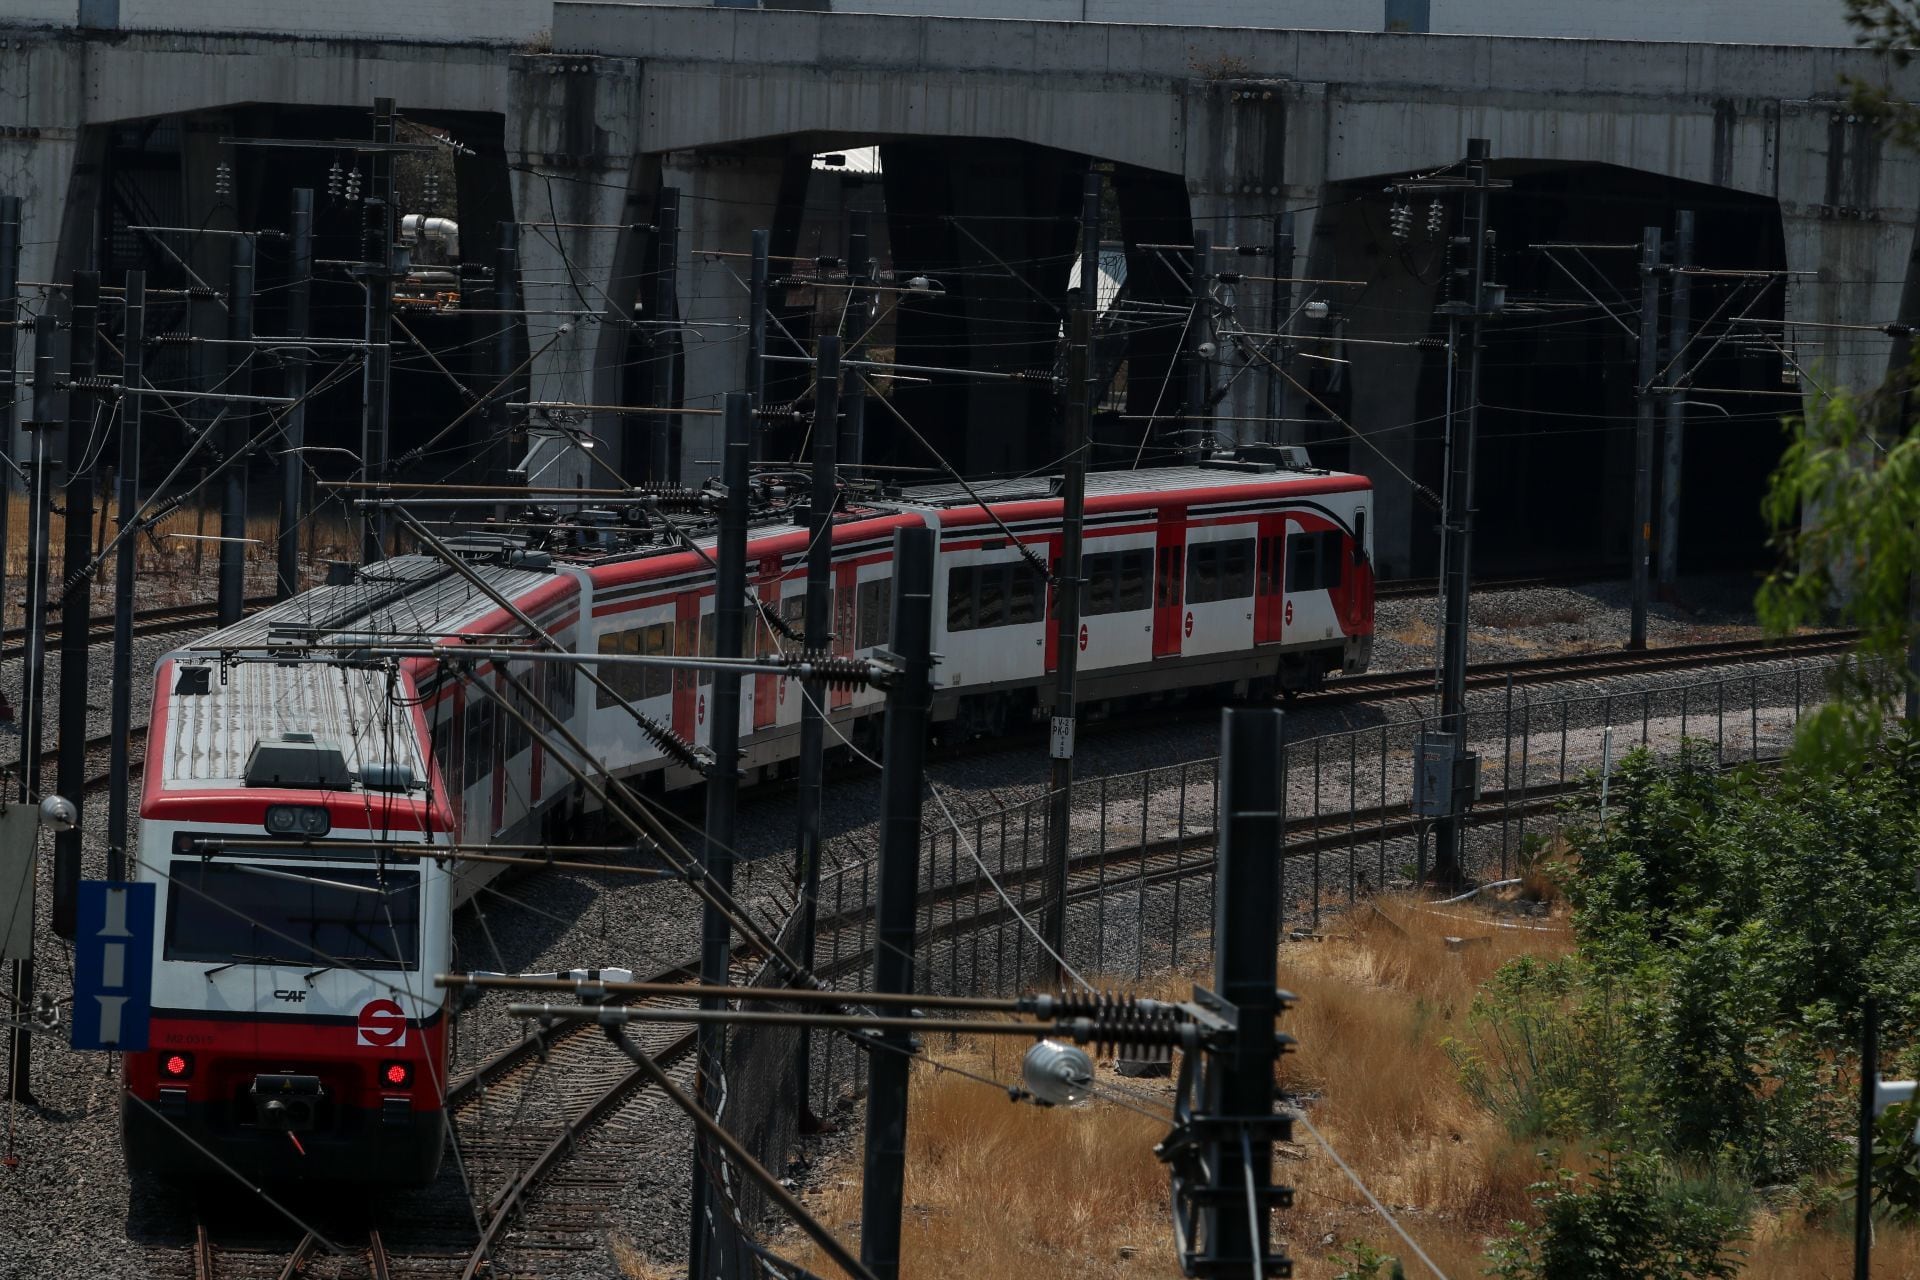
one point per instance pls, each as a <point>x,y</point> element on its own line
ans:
<point>570,134</point>
<point>1254,149</point>
<point>1859,271</point>
<point>36,164</point>
<point>724,197</point>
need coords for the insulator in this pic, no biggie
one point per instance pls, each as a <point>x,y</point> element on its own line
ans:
<point>1436,218</point>
<point>1400,221</point>
<point>334,179</point>
<point>223,179</point>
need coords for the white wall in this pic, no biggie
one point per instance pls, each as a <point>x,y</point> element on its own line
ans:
<point>38,13</point>
<point>1790,22</point>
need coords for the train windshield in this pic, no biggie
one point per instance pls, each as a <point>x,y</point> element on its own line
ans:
<point>320,917</point>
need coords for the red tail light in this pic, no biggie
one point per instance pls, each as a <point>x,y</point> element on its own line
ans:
<point>176,1066</point>
<point>396,1075</point>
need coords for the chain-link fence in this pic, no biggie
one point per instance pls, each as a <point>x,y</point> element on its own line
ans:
<point>1140,850</point>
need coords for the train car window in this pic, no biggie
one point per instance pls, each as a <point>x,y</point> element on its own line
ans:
<point>558,688</point>
<point>440,744</point>
<point>478,756</point>
<point>707,625</point>
<point>990,601</point>
<point>1136,568</point>
<point>220,912</point>
<point>656,641</point>
<point>518,737</point>
<point>1236,569</point>
<point>1024,606</point>
<point>960,598</point>
<point>1359,535</point>
<point>1314,560</point>
<point>1203,573</point>
<point>875,607</point>
<point>617,679</point>
<point>1103,584</point>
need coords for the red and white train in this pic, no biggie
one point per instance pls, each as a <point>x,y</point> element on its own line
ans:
<point>295,1028</point>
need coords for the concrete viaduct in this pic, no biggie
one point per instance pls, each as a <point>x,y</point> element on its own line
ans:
<point>1253,124</point>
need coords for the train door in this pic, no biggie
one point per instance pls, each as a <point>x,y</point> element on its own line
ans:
<point>845,589</point>
<point>686,639</point>
<point>763,640</point>
<point>1269,593</point>
<point>1169,576</point>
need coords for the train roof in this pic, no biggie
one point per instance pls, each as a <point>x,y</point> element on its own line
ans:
<point>1146,482</point>
<point>413,596</point>
<point>208,737</point>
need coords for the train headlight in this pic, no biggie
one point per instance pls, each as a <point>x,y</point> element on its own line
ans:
<point>396,1075</point>
<point>176,1066</point>
<point>298,820</point>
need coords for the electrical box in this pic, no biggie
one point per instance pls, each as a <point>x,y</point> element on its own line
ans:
<point>1445,779</point>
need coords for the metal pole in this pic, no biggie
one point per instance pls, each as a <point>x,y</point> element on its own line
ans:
<point>665,452</point>
<point>757,328</point>
<point>1199,367</point>
<point>1247,907</point>
<point>292,469</point>
<point>853,426</point>
<point>1067,573</point>
<point>1863,1167</point>
<point>378,253</point>
<point>1640,546</point>
<point>818,636</point>
<point>1457,579</point>
<point>506,299</point>
<point>33,679</point>
<point>709,1250</point>
<point>123,570</point>
<point>1280,397</point>
<point>233,507</point>
<point>83,409</point>
<point>1679,318</point>
<point>902,762</point>
<point>10,326</point>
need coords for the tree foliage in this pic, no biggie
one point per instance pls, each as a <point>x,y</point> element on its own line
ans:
<point>1844,505</point>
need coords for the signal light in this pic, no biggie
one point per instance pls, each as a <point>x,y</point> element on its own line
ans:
<point>397,1075</point>
<point>177,1066</point>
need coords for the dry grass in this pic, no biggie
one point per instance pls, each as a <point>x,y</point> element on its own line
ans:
<point>1513,615</point>
<point>996,1190</point>
<point>1418,632</point>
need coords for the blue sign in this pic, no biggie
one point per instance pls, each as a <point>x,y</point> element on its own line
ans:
<point>113,966</point>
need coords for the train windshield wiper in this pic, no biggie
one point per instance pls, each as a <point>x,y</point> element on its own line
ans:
<point>348,962</point>
<point>241,957</point>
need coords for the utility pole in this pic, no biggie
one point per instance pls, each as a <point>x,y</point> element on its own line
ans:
<point>662,312</point>
<point>76,620</point>
<point>1199,361</point>
<point>128,481</point>
<point>378,256</point>
<point>506,299</point>
<point>708,1252</point>
<point>902,767</point>
<point>292,470</point>
<point>853,425</point>
<point>10,327</point>
<point>1679,318</point>
<point>1280,398</point>
<point>1863,1152</point>
<point>757,329</point>
<point>233,506</point>
<point>817,639</point>
<point>1067,572</point>
<point>1238,1089</point>
<point>33,679</point>
<point>1641,544</point>
<point>1475,300</point>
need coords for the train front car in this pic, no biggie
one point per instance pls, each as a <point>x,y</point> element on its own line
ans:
<point>296,1033</point>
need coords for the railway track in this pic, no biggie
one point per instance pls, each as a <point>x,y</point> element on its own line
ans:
<point>250,1257</point>
<point>146,622</point>
<point>1415,588</point>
